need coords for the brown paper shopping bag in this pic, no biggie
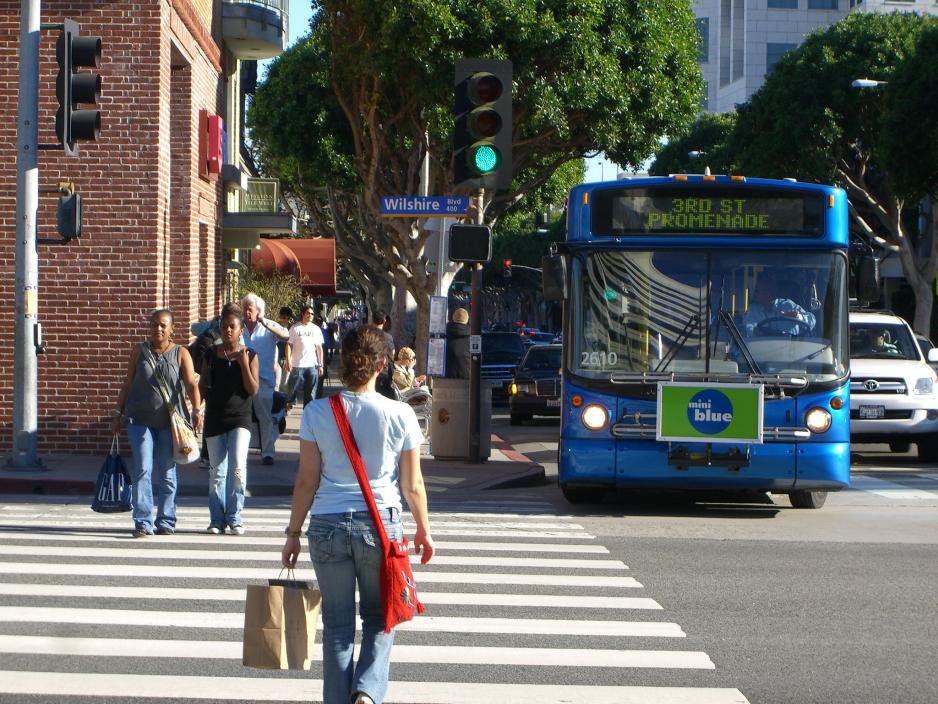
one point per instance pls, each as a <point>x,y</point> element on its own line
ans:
<point>280,625</point>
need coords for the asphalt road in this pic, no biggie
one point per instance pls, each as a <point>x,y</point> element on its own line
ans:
<point>793,606</point>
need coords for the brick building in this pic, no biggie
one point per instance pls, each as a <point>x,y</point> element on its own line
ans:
<point>159,222</point>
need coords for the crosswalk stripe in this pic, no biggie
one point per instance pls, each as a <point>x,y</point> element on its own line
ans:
<point>129,553</point>
<point>890,490</point>
<point>476,531</point>
<point>434,624</point>
<point>410,654</point>
<point>247,573</point>
<point>241,540</point>
<point>304,689</point>
<point>429,598</point>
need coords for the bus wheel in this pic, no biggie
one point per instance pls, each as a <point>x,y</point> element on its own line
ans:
<point>582,494</point>
<point>807,499</point>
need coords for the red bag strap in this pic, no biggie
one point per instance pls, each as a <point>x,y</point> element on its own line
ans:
<point>351,447</point>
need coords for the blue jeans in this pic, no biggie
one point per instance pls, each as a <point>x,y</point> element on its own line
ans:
<point>152,450</point>
<point>308,377</point>
<point>344,549</point>
<point>228,455</point>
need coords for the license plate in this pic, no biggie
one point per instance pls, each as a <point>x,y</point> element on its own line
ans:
<point>553,403</point>
<point>872,412</point>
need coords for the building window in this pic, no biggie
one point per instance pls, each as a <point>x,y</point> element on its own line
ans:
<point>783,4</point>
<point>739,38</point>
<point>703,39</point>
<point>823,5</point>
<point>726,26</point>
<point>773,52</point>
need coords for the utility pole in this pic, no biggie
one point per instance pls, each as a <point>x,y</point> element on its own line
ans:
<point>475,358</point>
<point>26,327</point>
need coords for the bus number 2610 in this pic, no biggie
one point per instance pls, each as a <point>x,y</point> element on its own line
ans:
<point>598,359</point>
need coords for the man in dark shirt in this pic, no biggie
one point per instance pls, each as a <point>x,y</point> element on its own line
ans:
<point>457,345</point>
<point>384,384</point>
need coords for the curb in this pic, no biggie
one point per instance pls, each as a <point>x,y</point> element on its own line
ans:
<point>38,487</point>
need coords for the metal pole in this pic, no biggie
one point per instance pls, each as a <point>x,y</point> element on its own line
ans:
<point>475,360</point>
<point>25,373</point>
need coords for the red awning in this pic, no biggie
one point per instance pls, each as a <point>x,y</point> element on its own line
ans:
<point>311,261</point>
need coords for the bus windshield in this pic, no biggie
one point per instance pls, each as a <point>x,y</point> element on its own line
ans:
<point>716,313</point>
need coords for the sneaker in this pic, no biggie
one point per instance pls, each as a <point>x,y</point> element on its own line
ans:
<point>165,531</point>
<point>141,533</point>
<point>236,530</point>
<point>267,460</point>
<point>362,698</point>
<point>215,530</point>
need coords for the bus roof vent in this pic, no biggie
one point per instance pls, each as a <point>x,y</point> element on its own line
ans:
<point>706,171</point>
<point>789,178</point>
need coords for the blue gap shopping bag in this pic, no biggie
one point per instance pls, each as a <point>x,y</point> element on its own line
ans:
<point>112,492</point>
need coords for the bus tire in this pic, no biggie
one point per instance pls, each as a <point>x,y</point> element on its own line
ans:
<point>807,499</point>
<point>582,494</point>
<point>928,450</point>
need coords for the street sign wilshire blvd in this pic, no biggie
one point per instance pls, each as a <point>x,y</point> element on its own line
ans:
<point>729,413</point>
<point>424,206</point>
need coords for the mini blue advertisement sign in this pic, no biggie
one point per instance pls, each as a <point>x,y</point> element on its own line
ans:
<point>424,206</point>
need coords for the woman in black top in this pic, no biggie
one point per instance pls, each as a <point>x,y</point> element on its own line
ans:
<point>228,382</point>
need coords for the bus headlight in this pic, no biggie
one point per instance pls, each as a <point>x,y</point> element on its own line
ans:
<point>925,385</point>
<point>594,417</point>
<point>818,420</point>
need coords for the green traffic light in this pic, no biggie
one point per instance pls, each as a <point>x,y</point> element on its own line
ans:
<point>484,159</point>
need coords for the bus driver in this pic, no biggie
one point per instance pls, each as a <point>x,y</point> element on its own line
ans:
<point>767,312</point>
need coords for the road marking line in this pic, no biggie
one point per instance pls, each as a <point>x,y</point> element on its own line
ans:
<point>130,553</point>
<point>244,573</point>
<point>424,624</point>
<point>305,689</point>
<point>890,490</point>
<point>77,591</point>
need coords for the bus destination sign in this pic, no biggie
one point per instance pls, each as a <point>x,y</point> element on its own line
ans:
<point>640,212</point>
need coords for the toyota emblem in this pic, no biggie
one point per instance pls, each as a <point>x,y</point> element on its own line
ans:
<point>871,384</point>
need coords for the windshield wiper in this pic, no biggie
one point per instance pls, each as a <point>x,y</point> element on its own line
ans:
<point>740,342</point>
<point>689,328</point>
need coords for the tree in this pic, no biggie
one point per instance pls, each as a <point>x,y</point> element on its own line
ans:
<point>807,122</point>
<point>595,75</point>
<point>708,135</point>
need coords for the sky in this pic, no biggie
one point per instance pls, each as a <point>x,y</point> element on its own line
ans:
<point>597,168</point>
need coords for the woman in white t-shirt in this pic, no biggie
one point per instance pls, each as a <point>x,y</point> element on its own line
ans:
<point>304,356</point>
<point>342,540</point>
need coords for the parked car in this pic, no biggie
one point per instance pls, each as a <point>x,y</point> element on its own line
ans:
<point>541,338</point>
<point>501,354</point>
<point>893,390</point>
<point>535,389</point>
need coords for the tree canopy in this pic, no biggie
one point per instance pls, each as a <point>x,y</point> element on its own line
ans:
<point>707,135</point>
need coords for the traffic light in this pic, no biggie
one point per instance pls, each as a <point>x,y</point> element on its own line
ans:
<point>506,268</point>
<point>483,126</point>
<point>470,244</point>
<point>72,88</point>
<point>68,215</point>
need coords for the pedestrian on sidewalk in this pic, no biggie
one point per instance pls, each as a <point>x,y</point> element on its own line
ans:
<point>261,335</point>
<point>342,541</point>
<point>385,383</point>
<point>285,318</point>
<point>229,381</point>
<point>457,345</point>
<point>149,431</point>
<point>304,357</point>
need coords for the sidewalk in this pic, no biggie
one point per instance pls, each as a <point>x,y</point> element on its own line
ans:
<point>76,474</point>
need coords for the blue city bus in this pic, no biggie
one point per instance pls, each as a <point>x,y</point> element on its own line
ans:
<point>705,337</point>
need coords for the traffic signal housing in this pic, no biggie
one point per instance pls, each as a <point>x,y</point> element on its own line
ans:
<point>73,88</point>
<point>483,124</point>
<point>506,268</point>
<point>68,215</point>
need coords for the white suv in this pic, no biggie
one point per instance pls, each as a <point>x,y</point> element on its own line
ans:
<point>893,391</point>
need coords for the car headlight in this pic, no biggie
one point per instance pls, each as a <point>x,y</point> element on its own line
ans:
<point>925,385</point>
<point>817,419</point>
<point>513,389</point>
<point>594,417</point>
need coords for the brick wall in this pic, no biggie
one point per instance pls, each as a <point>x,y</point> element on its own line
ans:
<point>141,246</point>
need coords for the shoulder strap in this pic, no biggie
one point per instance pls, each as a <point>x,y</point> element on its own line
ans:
<point>351,447</point>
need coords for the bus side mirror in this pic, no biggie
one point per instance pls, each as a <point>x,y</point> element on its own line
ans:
<point>868,279</point>
<point>554,277</point>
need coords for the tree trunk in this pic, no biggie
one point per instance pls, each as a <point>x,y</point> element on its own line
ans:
<point>924,299</point>
<point>379,298</point>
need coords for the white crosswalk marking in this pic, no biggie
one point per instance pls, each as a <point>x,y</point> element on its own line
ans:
<point>509,595</point>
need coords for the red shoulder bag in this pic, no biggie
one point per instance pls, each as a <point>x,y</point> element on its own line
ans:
<point>398,589</point>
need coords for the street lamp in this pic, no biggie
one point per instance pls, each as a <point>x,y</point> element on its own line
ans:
<point>862,83</point>
<point>695,154</point>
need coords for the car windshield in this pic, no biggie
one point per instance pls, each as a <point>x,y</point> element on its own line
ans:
<point>882,341</point>
<point>715,313</point>
<point>541,359</point>
<point>502,348</point>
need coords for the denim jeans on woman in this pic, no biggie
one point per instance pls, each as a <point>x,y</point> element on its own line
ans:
<point>345,548</point>
<point>228,455</point>
<point>152,451</point>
